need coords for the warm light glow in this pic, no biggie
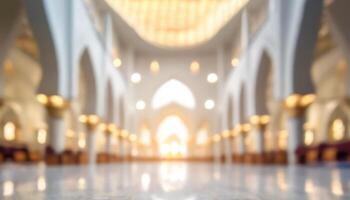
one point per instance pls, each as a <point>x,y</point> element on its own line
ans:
<point>216,138</point>
<point>202,137</point>
<point>309,186</point>
<point>7,188</point>
<point>176,23</point>
<point>338,130</point>
<point>145,136</point>
<point>41,184</point>
<point>209,104</point>
<point>172,136</point>
<point>309,137</point>
<point>173,91</point>
<point>282,139</point>
<point>81,141</point>
<point>136,78</point>
<point>9,131</point>
<point>132,138</point>
<point>145,181</point>
<point>172,176</point>
<point>140,105</point>
<point>117,62</point>
<point>336,184</point>
<point>235,62</point>
<point>154,67</point>
<point>42,98</point>
<point>41,136</point>
<point>212,78</point>
<point>70,133</point>
<point>195,67</point>
<point>56,101</point>
<point>81,183</point>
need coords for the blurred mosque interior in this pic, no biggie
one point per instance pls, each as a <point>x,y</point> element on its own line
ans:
<point>174,99</point>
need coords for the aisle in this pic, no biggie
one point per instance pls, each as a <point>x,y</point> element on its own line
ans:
<point>174,181</point>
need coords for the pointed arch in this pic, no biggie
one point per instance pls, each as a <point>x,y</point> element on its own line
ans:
<point>109,105</point>
<point>89,84</point>
<point>264,73</point>
<point>173,91</point>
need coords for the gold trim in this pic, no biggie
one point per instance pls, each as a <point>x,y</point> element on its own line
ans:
<point>91,121</point>
<point>296,104</point>
<point>259,122</point>
<point>55,105</point>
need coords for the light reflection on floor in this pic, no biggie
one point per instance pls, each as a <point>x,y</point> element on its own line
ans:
<point>174,181</point>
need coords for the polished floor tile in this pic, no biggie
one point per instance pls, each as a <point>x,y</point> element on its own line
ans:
<point>173,181</point>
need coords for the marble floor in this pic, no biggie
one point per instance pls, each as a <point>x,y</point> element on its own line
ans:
<point>174,181</point>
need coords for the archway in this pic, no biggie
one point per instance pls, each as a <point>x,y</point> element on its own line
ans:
<point>172,137</point>
<point>173,91</point>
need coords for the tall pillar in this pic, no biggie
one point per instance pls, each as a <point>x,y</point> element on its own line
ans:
<point>91,123</point>
<point>56,107</point>
<point>259,123</point>
<point>296,105</point>
<point>226,135</point>
<point>109,129</point>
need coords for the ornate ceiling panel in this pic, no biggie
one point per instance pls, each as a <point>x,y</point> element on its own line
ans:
<point>177,23</point>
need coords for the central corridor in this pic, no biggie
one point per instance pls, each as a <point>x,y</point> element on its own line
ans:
<point>174,181</point>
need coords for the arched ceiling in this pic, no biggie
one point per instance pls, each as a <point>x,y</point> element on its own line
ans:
<point>177,23</point>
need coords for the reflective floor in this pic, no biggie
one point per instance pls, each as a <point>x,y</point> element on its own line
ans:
<point>174,181</point>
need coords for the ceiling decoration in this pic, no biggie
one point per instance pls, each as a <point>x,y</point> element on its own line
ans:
<point>177,23</point>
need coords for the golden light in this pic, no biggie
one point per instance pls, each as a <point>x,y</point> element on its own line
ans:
<point>70,133</point>
<point>172,137</point>
<point>209,104</point>
<point>216,138</point>
<point>308,99</point>
<point>226,134</point>
<point>176,23</point>
<point>145,136</point>
<point>309,137</point>
<point>309,186</point>
<point>338,130</point>
<point>81,183</point>
<point>246,127</point>
<point>212,78</point>
<point>282,139</point>
<point>117,62</point>
<point>56,101</point>
<point>336,184</point>
<point>154,67</point>
<point>89,119</point>
<point>133,138</point>
<point>124,133</point>
<point>194,67</point>
<point>41,136</point>
<point>42,98</point>
<point>136,77</point>
<point>9,131</point>
<point>260,119</point>
<point>81,141</point>
<point>235,62</point>
<point>7,188</point>
<point>202,137</point>
<point>41,184</point>
<point>8,66</point>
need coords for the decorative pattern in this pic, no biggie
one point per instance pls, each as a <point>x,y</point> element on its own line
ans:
<point>177,23</point>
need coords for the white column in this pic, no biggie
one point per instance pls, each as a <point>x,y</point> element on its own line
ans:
<point>240,142</point>
<point>258,134</point>
<point>108,136</point>
<point>228,149</point>
<point>91,145</point>
<point>295,126</point>
<point>56,126</point>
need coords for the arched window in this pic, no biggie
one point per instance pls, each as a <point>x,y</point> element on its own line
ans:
<point>173,91</point>
<point>172,136</point>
